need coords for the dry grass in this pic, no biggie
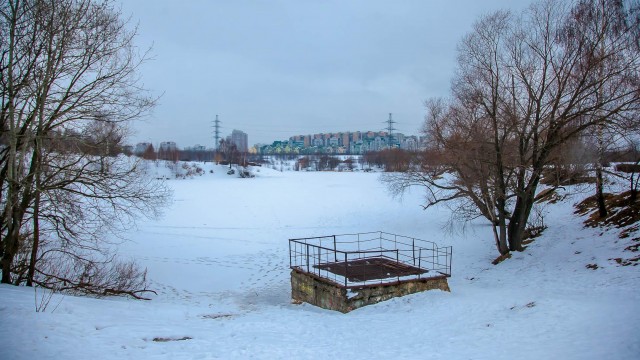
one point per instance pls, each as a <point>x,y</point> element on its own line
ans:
<point>548,195</point>
<point>623,214</point>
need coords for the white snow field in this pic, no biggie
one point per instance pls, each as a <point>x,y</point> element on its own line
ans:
<point>219,262</point>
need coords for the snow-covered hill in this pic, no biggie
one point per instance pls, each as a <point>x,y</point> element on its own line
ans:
<point>219,261</point>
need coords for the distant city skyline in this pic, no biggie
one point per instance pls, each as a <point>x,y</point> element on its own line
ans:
<point>286,134</point>
<point>347,142</point>
<point>350,142</point>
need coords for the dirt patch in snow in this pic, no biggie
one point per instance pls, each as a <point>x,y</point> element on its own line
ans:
<point>549,195</point>
<point>623,214</point>
<point>622,211</point>
<point>501,258</point>
<point>217,316</point>
<point>167,339</point>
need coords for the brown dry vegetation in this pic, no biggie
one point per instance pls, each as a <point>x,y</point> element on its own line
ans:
<point>624,214</point>
<point>549,195</point>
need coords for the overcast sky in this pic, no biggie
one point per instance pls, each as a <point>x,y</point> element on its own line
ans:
<point>279,68</point>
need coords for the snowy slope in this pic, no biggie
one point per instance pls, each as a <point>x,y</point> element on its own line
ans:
<point>219,261</point>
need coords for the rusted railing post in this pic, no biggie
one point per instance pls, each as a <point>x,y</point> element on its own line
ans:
<point>398,261</point>
<point>413,250</point>
<point>290,262</point>
<point>395,242</point>
<point>433,257</point>
<point>419,261</point>
<point>346,270</point>
<point>307,258</point>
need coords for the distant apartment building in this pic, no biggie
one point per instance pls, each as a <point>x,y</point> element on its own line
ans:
<point>168,150</point>
<point>141,148</point>
<point>317,142</point>
<point>357,142</point>
<point>345,139</point>
<point>168,146</point>
<point>410,143</point>
<point>240,139</point>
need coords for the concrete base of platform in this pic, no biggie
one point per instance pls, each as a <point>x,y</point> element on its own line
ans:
<point>312,289</point>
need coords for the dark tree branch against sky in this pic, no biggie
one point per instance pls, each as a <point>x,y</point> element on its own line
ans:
<point>279,68</point>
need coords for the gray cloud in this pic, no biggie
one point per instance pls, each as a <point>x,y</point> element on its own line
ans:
<point>279,68</point>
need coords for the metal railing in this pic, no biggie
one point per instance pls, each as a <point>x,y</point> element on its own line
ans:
<point>373,258</point>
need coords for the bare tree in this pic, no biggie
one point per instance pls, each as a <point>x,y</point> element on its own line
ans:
<point>69,89</point>
<point>150,153</point>
<point>525,85</point>
<point>629,171</point>
<point>230,154</point>
<point>597,24</point>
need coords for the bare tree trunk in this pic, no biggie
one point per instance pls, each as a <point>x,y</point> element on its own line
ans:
<point>36,217</point>
<point>522,211</point>
<point>503,247</point>
<point>12,239</point>
<point>8,241</point>
<point>634,180</point>
<point>602,208</point>
<point>36,239</point>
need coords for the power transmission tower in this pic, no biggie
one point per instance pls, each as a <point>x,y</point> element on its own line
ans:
<point>216,132</point>
<point>390,130</point>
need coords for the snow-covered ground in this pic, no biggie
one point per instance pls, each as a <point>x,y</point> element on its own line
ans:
<point>219,262</point>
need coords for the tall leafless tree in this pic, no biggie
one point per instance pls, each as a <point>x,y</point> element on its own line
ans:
<point>601,22</point>
<point>525,85</point>
<point>69,89</point>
